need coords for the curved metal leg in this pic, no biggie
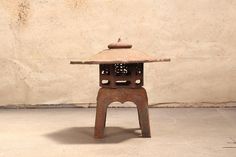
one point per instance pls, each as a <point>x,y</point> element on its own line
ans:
<point>141,101</point>
<point>100,120</point>
<point>103,100</point>
<point>144,120</point>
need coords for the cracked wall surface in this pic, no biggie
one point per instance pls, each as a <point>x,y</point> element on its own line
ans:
<point>38,38</point>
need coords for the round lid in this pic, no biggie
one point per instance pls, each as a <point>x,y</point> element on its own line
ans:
<point>119,52</point>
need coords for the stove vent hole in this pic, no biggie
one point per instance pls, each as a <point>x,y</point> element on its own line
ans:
<point>122,83</point>
<point>105,82</point>
<point>138,82</point>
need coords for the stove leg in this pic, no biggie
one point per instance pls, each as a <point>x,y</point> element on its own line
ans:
<point>141,101</point>
<point>144,120</point>
<point>139,121</point>
<point>100,121</point>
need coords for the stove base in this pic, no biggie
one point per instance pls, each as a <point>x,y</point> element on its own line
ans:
<point>108,95</point>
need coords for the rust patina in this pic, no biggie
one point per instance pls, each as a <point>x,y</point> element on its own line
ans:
<point>121,80</point>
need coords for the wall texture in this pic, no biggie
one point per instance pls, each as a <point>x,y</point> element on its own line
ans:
<point>38,38</point>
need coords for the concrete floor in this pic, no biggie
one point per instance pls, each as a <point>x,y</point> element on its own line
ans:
<point>182,132</point>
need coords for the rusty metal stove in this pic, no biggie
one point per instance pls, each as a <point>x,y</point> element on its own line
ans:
<point>121,80</point>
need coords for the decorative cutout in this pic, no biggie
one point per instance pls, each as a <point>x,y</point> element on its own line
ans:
<point>121,69</point>
<point>138,82</point>
<point>105,70</point>
<point>105,82</point>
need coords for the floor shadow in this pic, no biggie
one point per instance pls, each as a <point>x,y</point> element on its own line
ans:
<point>84,135</point>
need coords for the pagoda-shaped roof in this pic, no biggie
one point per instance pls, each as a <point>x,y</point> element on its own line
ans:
<point>119,53</point>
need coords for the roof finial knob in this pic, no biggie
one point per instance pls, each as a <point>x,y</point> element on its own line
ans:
<point>119,45</point>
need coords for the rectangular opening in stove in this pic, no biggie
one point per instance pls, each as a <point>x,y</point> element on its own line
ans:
<point>123,83</point>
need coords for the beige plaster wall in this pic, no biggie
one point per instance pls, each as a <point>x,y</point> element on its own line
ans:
<point>38,38</point>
